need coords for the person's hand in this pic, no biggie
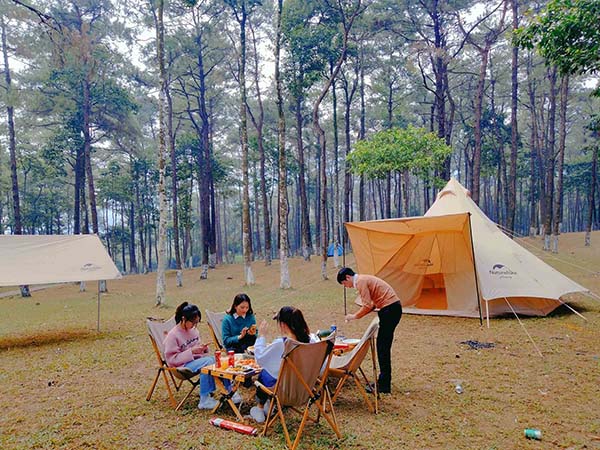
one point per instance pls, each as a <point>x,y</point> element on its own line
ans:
<point>243,333</point>
<point>349,317</point>
<point>200,349</point>
<point>263,328</point>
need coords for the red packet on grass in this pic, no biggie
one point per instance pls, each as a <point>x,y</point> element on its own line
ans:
<point>235,426</point>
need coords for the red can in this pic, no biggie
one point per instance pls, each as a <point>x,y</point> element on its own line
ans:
<point>218,358</point>
<point>231,358</point>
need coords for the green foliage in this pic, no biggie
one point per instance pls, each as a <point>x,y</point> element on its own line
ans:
<point>567,34</point>
<point>396,149</point>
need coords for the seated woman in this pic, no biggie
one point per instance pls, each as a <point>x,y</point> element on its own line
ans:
<point>183,349</point>
<point>239,325</point>
<point>291,325</point>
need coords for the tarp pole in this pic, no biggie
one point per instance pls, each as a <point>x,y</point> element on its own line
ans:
<point>475,273</point>
<point>344,264</point>
<point>98,321</point>
<point>487,313</point>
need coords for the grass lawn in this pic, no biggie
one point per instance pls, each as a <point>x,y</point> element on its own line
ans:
<point>63,385</point>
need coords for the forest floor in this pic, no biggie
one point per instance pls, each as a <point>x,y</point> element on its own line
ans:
<point>63,385</point>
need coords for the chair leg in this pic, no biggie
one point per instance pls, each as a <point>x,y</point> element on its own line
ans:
<point>185,398</point>
<point>151,391</point>
<point>300,428</point>
<point>331,418</point>
<point>173,402</point>
<point>364,394</point>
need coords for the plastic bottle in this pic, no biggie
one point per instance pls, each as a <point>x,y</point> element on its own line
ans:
<point>533,433</point>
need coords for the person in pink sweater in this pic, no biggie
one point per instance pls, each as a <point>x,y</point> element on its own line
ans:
<point>183,349</point>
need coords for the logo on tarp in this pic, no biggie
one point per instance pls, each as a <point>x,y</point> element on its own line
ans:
<point>502,271</point>
<point>90,267</point>
<point>425,262</point>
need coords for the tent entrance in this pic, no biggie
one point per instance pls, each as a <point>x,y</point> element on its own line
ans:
<point>433,293</point>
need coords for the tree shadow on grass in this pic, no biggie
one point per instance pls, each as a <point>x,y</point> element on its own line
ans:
<point>46,338</point>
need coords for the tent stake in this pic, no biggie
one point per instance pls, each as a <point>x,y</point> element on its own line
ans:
<point>475,274</point>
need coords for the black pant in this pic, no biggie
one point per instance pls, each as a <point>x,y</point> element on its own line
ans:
<point>389,317</point>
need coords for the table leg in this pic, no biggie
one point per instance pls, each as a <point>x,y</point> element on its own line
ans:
<point>226,397</point>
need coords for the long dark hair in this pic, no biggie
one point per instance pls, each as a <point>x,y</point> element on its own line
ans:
<point>188,312</point>
<point>294,319</point>
<point>240,298</point>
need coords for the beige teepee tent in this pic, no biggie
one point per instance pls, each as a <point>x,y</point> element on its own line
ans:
<point>429,262</point>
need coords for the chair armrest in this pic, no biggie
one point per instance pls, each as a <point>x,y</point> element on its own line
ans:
<point>263,388</point>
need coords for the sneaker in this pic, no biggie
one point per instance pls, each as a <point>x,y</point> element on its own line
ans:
<point>257,414</point>
<point>237,398</point>
<point>207,402</point>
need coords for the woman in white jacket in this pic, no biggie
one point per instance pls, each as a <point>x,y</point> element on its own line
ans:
<point>291,325</point>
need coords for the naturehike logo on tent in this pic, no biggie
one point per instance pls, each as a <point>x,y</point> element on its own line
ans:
<point>424,263</point>
<point>89,267</point>
<point>502,271</point>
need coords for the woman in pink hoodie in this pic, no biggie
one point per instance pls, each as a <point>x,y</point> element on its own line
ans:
<point>183,349</point>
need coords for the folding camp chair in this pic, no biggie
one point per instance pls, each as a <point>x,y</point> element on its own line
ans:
<point>214,321</point>
<point>157,330</point>
<point>348,365</point>
<point>301,384</point>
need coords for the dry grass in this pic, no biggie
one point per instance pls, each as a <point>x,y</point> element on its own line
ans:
<point>62,385</point>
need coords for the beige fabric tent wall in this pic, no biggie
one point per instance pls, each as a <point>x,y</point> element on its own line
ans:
<point>433,272</point>
<point>427,260</point>
<point>506,270</point>
<point>43,259</point>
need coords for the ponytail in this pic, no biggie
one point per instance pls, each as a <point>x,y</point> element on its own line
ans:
<point>294,319</point>
<point>187,311</point>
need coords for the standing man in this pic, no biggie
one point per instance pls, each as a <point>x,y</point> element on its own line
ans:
<point>376,294</point>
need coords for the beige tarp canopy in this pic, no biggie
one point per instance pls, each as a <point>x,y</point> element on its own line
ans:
<point>41,259</point>
<point>428,260</point>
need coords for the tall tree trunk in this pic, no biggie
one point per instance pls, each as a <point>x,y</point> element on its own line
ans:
<point>174,188</point>
<point>284,273</point>
<point>306,240</point>
<point>562,136</point>
<point>258,125</point>
<point>336,185</point>
<point>483,54</point>
<point>592,195</point>
<point>549,161</point>
<point>242,17</point>
<point>512,177</point>
<point>12,145</point>
<point>162,152</point>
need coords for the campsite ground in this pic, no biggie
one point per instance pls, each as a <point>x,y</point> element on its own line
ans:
<point>62,385</point>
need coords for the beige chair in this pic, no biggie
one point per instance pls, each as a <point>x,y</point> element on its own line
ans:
<point>214,321</point>
<point>158,330</point>
<point>299,386</point>
<point>348,366</point>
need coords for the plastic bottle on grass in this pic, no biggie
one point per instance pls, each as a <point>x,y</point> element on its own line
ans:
<point>533,433</point>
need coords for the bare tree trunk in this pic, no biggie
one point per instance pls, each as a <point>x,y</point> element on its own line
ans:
<point>512,177</point>
<point>241,15</point>
<point>549,161</point>
<point>162,151</point>
<point>174,188</point>
<point>304,218</point>
<point>284,273</point>
<point>12,145</point>
<point>562,135</point>
<point>592,193</point>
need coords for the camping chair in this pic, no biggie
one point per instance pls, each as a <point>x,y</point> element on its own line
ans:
<point>348,365</point>
<point>214,321</point>
<point>157,330</point>
<point>301,384</point>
